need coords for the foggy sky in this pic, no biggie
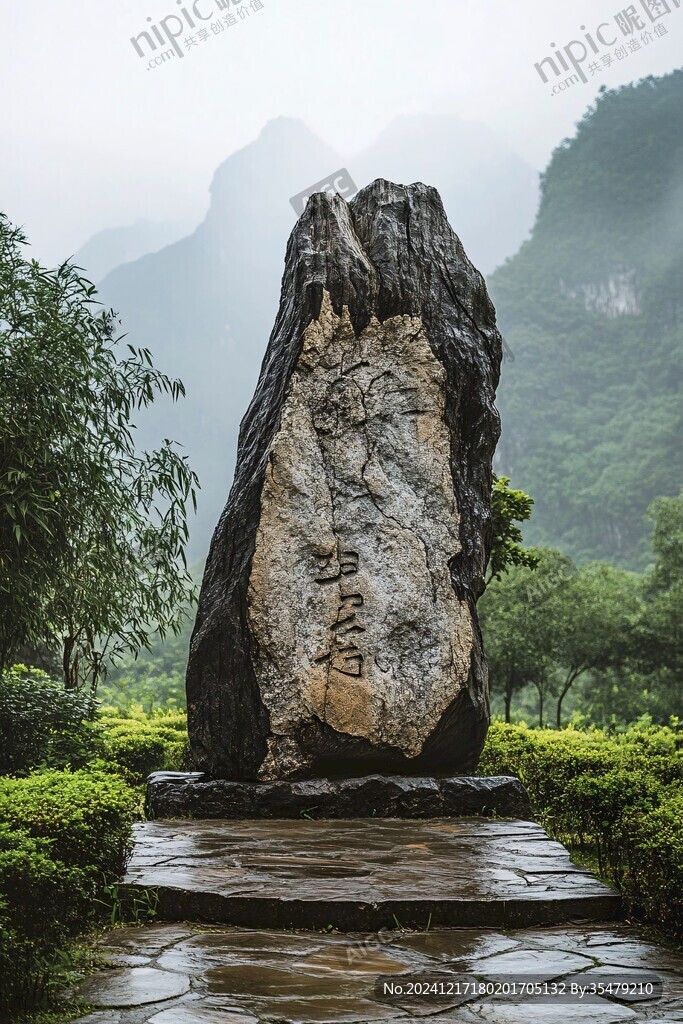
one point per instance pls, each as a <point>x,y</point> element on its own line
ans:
<point>93,139</point>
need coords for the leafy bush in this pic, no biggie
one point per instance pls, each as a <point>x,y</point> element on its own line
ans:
<point>614,797</point>
<point>41,723</point>
<point>174,719</point>
<point>63,836</point>
<point>654,852</point>
<point>41,903</point>
<point>143,751</point>
<point>140,744</point>
<point>86,816</point>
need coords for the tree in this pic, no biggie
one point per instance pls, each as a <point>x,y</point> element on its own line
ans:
<point>518,614</point>
<point>513,658</point>
<point>508,507</point>
<point>92,530</point>
<point>552,625</point>
<point>594,623</point>
<point>657,647</point>
<point>662,624</point>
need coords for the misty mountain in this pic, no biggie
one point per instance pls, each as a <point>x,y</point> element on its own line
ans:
<point>206,304</point>
<point>592,308</point>
<point>490,194</point>
<point>111,247</point>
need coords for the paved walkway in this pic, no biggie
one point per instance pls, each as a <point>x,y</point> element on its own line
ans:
<point>363,874</point>
<point>184,974</point>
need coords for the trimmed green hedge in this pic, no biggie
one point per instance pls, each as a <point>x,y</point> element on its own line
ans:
<point>41,904</point>
<point>44,726</point>
<point>41,723</point>
<point>66,813</point>
<point>63,837</point>
<point>615,798</point>
<point>654,852</point>
<point>140,744</point>
<point>85,815</point>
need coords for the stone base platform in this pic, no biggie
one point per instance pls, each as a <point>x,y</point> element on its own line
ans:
<point>185,974</point>
<point>363,874</point>
<point>194,795</point>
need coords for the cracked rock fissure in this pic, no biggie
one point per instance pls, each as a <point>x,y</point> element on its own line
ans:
<point>337,631</point>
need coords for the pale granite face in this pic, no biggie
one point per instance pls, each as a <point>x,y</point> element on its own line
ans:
<point>350,596</point>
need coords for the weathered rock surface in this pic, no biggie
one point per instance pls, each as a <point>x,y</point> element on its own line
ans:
<point>193,795</point>
<point>337,628</point>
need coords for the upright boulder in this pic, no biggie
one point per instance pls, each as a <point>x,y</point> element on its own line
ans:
<point>337,630</point>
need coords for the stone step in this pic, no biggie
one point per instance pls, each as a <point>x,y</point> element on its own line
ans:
<point>362,874</point>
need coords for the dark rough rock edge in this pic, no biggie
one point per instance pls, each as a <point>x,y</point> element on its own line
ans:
<point>193,795</point>
<point>390,252</point>
<point>175,904</point>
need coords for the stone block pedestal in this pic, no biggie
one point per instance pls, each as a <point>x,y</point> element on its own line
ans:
<point>195,795</point>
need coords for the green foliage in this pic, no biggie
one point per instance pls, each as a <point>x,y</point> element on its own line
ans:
<point>597,618</point>
<point>155,679</point>
<point>508,507</point>
<point>659,640</point>
<point>618,633</point>
<point>140,744</point>
<point>654,853</point>
<point>517,620</point>
<point>92,530</point>
<point>41,723</point>
<point>63,836</point>
<point>85,815</point>
<point>41,906</point>
<point>615,797</point>
<point>130,686</point>
<point>591,407</point>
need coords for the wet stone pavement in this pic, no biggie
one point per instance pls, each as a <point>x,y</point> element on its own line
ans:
<point>362,874</point>
<point>307,921</point>
<point>190,974</point>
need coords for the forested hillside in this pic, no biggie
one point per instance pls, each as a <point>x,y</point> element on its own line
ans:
<point>592,309</point>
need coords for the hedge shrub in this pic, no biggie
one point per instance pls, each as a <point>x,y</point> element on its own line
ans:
<point>65,834</point>
<point>87,816</point>
<point>616,798</point>
<point>141,744</point>
<point>63,837</point>
<point>41,723</point>
<point>653,844</point>
<point>41,904</point>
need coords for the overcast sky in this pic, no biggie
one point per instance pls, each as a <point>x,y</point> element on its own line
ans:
<point>92,138</point>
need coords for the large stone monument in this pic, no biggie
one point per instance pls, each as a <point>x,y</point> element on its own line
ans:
<point>336,670</point>
<point>337,632</point>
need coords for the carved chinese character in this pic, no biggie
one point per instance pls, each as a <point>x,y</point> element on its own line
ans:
<point>347,562</point>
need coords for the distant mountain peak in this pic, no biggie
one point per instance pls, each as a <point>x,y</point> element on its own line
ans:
<point>284,127</point>
<point>283,159</point>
